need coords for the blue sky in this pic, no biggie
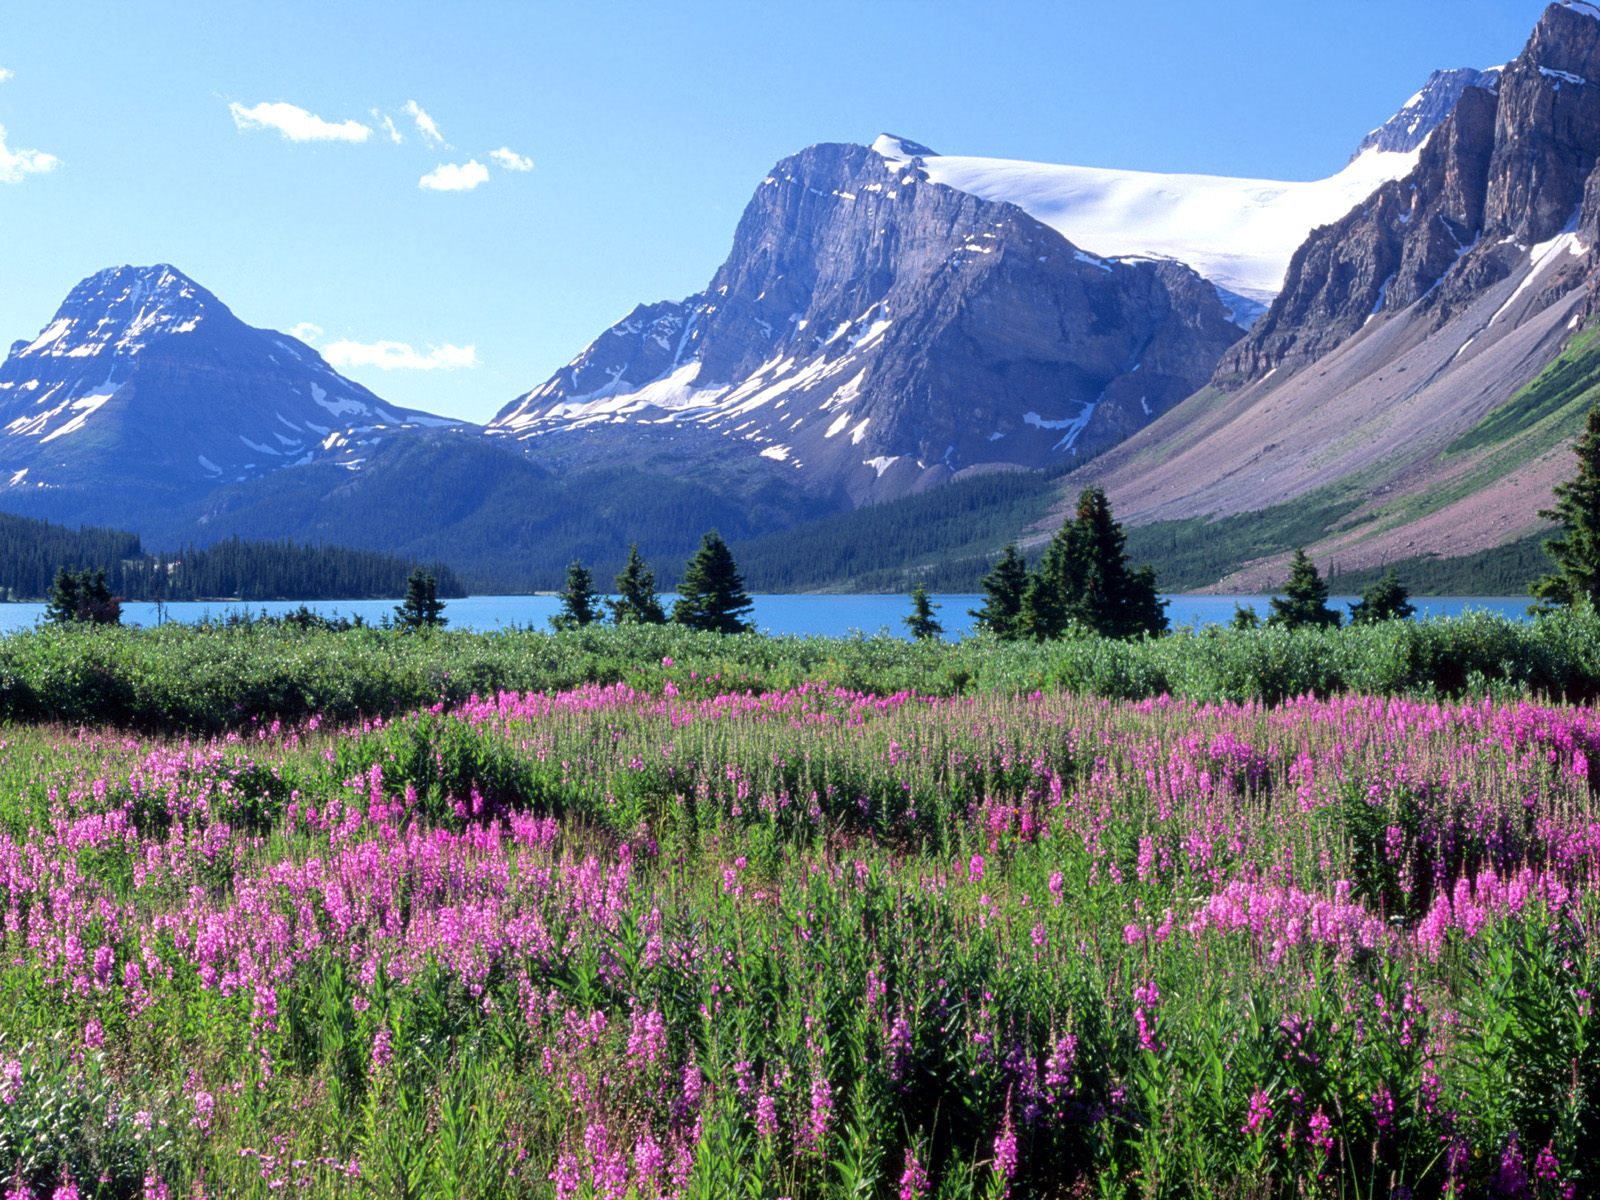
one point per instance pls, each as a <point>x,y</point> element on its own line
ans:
<point>135,133</point>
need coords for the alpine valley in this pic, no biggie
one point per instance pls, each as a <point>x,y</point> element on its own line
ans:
<point>908,359</point>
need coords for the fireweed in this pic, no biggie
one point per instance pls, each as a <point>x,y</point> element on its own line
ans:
<point>629,942</point>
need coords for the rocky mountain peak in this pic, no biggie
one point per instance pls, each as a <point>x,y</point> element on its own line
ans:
<point>1409,128</point>
<point>120,309</point>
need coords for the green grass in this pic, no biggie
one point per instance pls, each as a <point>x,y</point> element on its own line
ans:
<point>1571,382</point>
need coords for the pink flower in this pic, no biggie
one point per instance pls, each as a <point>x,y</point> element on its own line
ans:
<point>1260,1113</point>
<point>975,868</point>
<point>914,1179</point>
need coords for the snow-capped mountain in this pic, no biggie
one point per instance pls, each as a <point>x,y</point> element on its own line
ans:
<point>874,332</point>
<point>144,376</point>
<point>1422,374</point>
<point>890,317</point>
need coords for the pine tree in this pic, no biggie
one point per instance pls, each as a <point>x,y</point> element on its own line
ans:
<point>63,602</point>
<point>1245,617</point>
<point>711,594</point>
<point>1576,547</point>
<point>1385,599</point>
<point>636,602</point>
<point>921,622</point>
<point>1005,588</point>
<point>580,603</point>
<point>422,608</point>
<point>83,596</point>
<point>1084,577</point>
<point>1305,598</point>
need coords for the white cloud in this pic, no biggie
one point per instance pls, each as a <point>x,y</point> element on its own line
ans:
<point>296,124</point>
<point>511,160</point>
<point>6,76</point>
<point>400,356</point>
<point>455,177</point>
<point>425,124</point>
<point>395,135</point>
<point>14,164</point>
<point>306,332</point>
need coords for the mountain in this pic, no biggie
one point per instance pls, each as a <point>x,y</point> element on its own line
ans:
<point>873,332</point>
<point>1414,388</point>
<point>145,390</point>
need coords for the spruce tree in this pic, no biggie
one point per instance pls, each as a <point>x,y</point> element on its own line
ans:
<point>422,608</point>
<point>1385,599</point>
<point>1305,598</point>
<point>1576,547</point>
<point>1084,577</point>
<point>636,602</point>
<point>1245,617</point>
<point>711,594</point>
<point>921,622</point>
<point>580,603</point>
<point>63,602</point>
<point>1004,588</point>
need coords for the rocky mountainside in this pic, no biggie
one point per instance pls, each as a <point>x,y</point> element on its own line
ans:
<point>145,388</point>
<point>1418,378</point>
<point>873,333</point>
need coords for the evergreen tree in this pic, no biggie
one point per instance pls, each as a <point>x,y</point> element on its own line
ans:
<point>1576,547</point>
<point>422,608</point>
<point>1305,598</point>
<point>63,603</point>
<point>580,603</point>
<point>1084,577</point>
<point>1005,589</point>
<point>83,596</point>
<point>711,592</point>
<point>636,602</point>
<point>1245,617</point>
<point>921,622</point>
<point>1383,600</point>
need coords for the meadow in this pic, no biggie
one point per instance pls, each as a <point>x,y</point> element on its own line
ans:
<point>517,915</point>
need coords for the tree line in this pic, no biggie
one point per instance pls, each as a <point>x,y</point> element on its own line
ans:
<point>34,552</point>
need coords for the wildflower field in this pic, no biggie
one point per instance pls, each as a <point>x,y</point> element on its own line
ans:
<point>686,940</point>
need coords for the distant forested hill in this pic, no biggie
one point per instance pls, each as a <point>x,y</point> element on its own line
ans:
<point>31,551</point>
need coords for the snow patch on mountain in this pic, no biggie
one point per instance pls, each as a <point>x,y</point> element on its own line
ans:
<point>1238,233</point>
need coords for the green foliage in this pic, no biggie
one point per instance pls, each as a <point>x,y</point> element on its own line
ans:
<point>944,537</point>
<point>921,622</point>
<point>1507,570</point>
<point>580,603</point>
<point>1199,551</point>
<point>1571,381</point>
<point>636,602</point>
<point>1084,577</point>
<point>1005,590</point>
<point>711,595</point>
<point>1385,599</point>
<point>1245,617</point>
<point>33,552</point>
<point>1576,547</point>
<point>82,596</point>
<point>421,608</point>
<point>1305,597</point>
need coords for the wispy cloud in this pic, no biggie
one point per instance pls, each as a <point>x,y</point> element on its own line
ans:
<point>6,75</point>
<point>510,160</point>
<point>400,356</point>
<point>387,122</point>
<point>296,124</point>
<point>455,177</point>
<point>306,332</point>
<point>14,164</point>
<point>425,124</point>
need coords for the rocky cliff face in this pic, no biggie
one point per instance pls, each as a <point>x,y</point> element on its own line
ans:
<point>1505,173</point>
<point>1411,127</point>
<point>146,385</point>
<point>872,332</point>
<point>1421,378</point>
